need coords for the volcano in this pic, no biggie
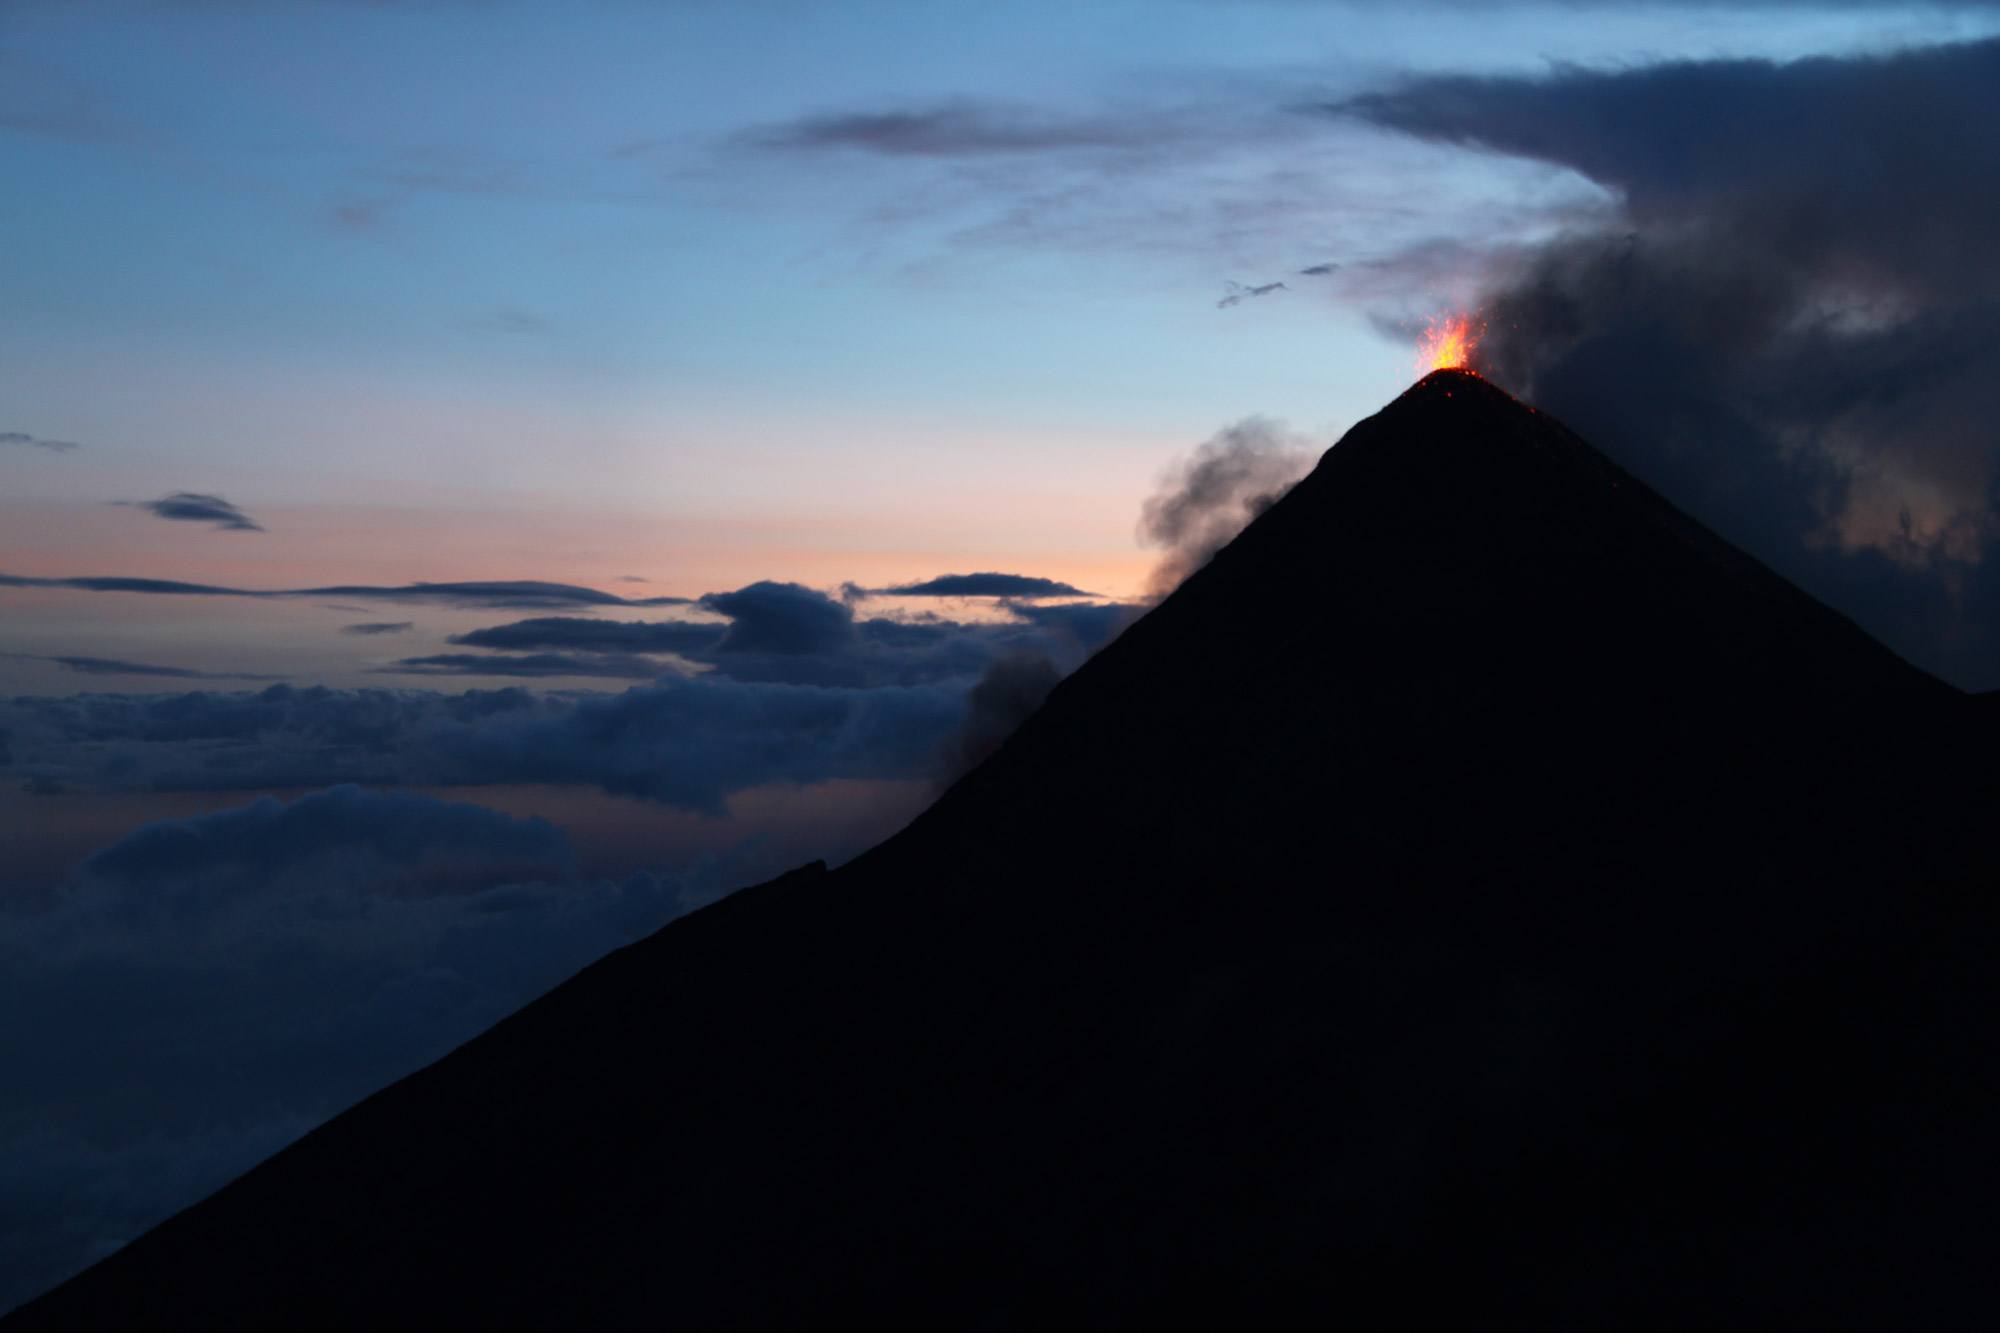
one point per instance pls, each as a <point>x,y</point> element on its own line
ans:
<point>1479,897</point>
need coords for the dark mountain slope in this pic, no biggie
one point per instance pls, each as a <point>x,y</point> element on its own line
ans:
<point>1480,894</point>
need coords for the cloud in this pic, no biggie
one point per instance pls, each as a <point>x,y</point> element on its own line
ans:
<point>979,585</point>
<point>238,977</point>
<point>374,627</point>
<point>21,437</point>
<point>1238,293</point>
<point>781,618</point>
<point>685,742</point>
<point>1790,320</point>
<point>344,836</point>
<point>614,666</point>
<point>576,633</point>
<point>194,507</point>
<point>509,319</point>
<point>784,633</point>
<point>108,666</point>
<point>1008,693</point>
<point>1204,501</point>
<point>519,594</point>
<point>961,128</point>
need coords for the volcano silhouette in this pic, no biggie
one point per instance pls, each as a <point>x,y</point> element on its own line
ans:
<point>1480,897</point>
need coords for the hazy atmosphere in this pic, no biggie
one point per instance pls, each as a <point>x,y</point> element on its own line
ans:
<point>479,480</point>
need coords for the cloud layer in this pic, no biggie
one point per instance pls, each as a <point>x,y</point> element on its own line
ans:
<point>207,989</point>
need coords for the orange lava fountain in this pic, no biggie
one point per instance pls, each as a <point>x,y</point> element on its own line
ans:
<point>1446,344</point>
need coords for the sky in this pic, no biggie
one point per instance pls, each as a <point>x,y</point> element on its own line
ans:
<point>479,479</point>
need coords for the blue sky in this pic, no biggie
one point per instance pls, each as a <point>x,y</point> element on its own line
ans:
<point>544,426</point>
<point>391,276</point>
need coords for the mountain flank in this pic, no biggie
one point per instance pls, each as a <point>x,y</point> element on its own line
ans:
<point>1480,895</point>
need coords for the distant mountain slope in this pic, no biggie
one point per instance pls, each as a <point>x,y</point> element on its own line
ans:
<point>1479,895</point>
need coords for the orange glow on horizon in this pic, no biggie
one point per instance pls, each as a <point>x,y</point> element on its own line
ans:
<point>1446,344</point>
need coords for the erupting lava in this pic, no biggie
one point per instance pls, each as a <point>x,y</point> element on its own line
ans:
<point>1446,344</point>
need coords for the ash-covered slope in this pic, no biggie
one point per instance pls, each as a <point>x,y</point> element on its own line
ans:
<point>1480,894</point>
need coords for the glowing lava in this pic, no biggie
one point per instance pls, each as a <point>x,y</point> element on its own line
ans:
<point>1446,344</point>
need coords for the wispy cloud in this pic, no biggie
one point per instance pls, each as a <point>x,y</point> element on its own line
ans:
<point>515,595</point>
<point>961,128</point>
<point>612,666</point>
<point>22,437</point>
<point>111,666</point>
<point>1235,293</point>
<point>374,627</point>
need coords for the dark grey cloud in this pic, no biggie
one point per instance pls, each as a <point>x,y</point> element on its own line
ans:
<point>1080,627</point>
<point>111,666</point>
<point>978,585</point>
<point>612,666</point>
<point>1319,271</point>
<point>1235,293</point>
<point>22,437</point>
<point>518,594</point>
<point>1791,325</point>
<point>195,507</point>
<point>794,688</point>
<point>580,634</point>
<point>237,977</point>
<point>783,619</point>
<point>1013,686</point>
<point>1205,500</point>
<point>785,633</point>
<point>180,868</point>
<point>962,128</point>
<point>375,627</point>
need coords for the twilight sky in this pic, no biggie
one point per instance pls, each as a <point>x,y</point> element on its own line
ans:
<point>480,478</point>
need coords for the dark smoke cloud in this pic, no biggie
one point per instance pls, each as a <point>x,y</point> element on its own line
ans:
<point>1791,321</point>
<point>194,507</point>
<point>1206,500</point>
<point>1007,695</point>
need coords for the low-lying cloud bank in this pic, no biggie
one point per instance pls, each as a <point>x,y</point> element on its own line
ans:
<point>792,687</point>
<point>207,989</point>
<point>1789,321</point>
<point>786,633</point>
<point>689,742</point>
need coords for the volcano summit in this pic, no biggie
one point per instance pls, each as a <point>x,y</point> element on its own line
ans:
<point>1479,897</point>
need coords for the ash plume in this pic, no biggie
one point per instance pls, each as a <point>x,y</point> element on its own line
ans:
<point>1204,501</point>
<point>1008,693</point>
<point>1789,320</point>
